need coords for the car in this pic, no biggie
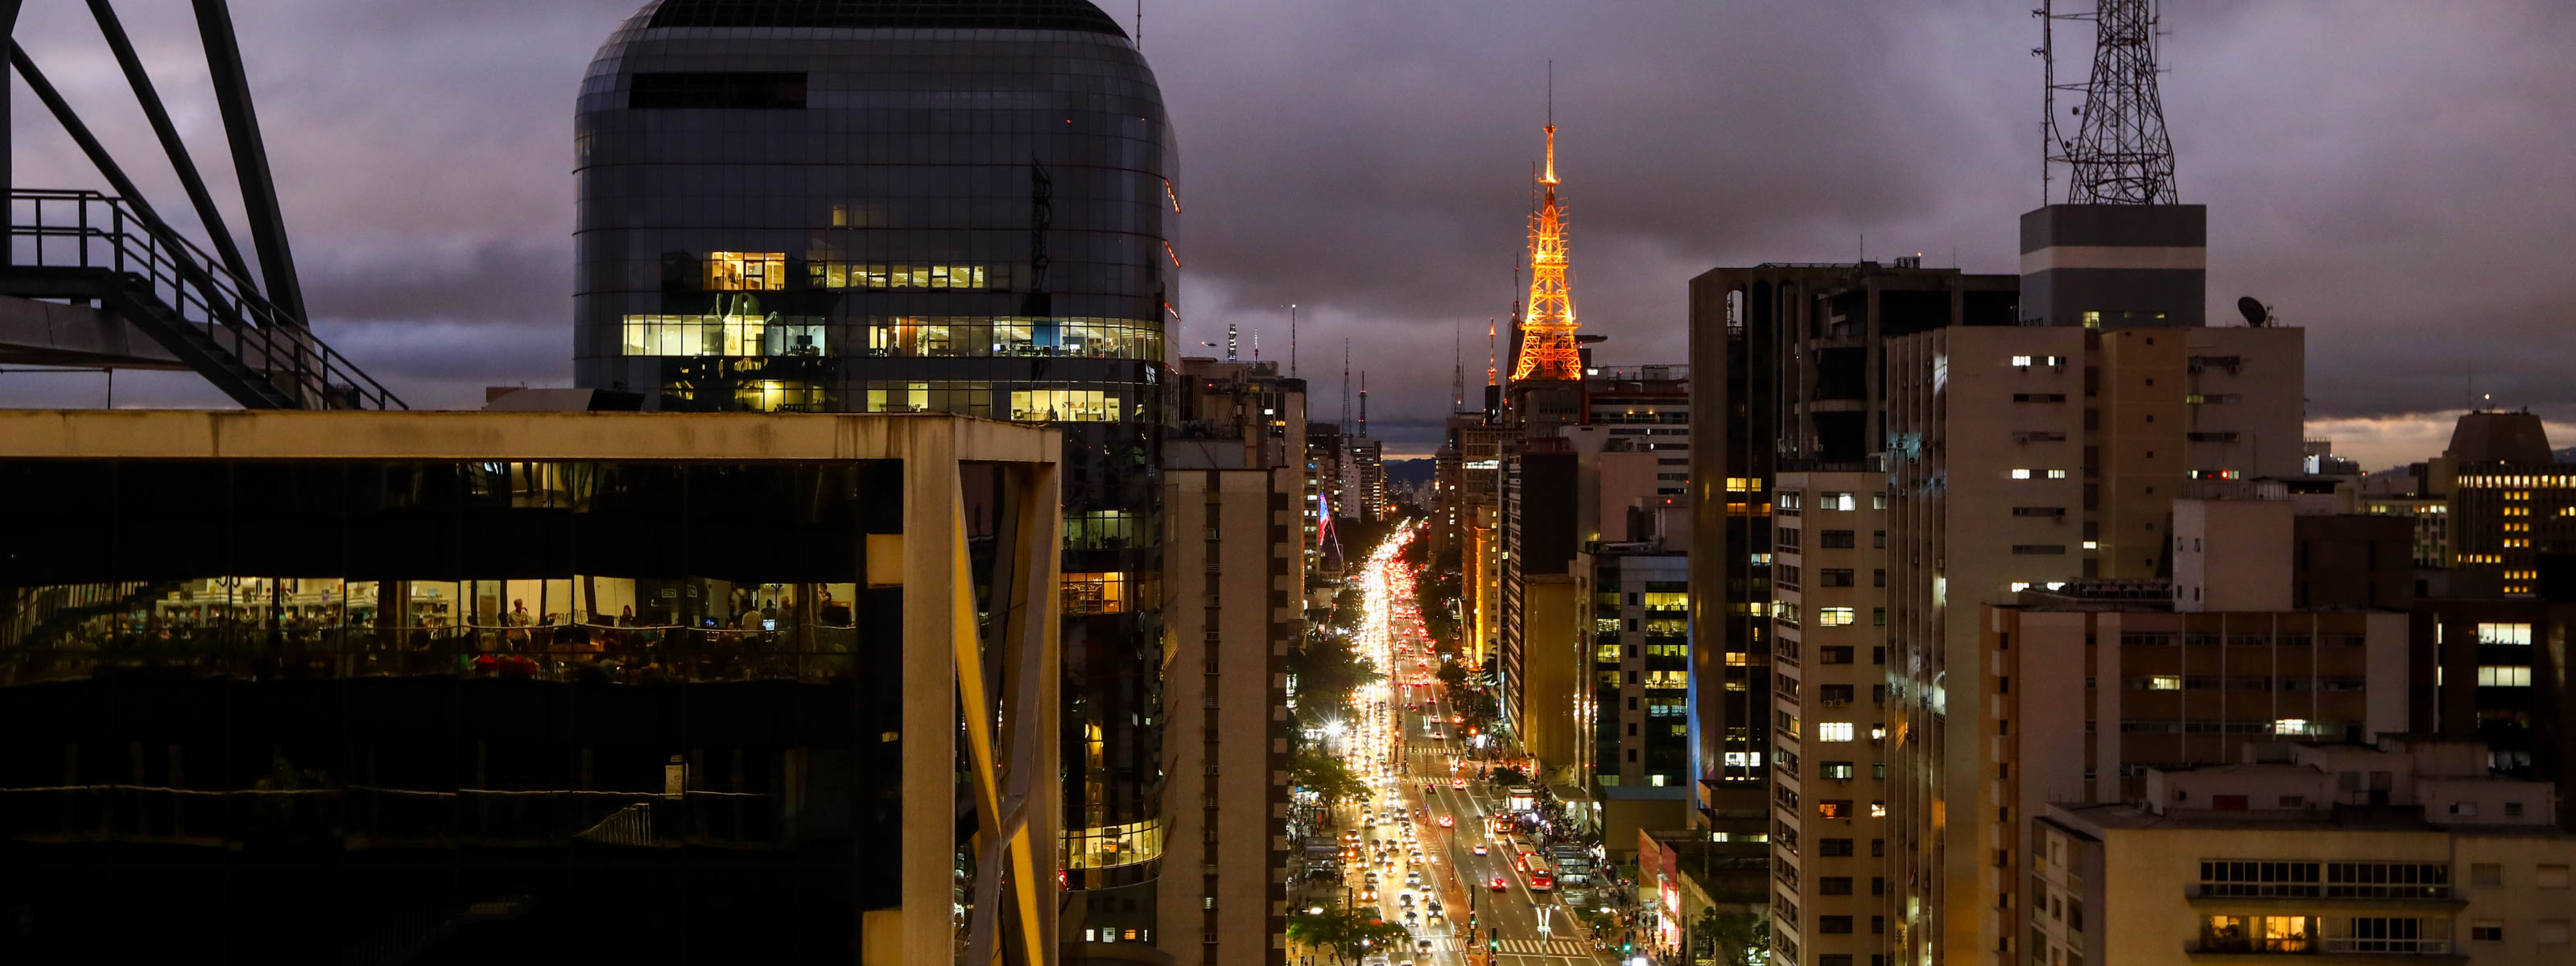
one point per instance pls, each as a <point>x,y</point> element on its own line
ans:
<point>1458,783</point>
<point>1404,899</point>
<point>1499,885</point>
<point>1447,822</point>
<point>1436,736</point>
<point>1370,895</point>
<point>1412,878</point>
<point>1480,848</point>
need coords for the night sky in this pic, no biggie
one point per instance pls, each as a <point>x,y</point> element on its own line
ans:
<point>2391,174</point>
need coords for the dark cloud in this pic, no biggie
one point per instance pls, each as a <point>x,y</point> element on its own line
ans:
<point>2389,174</point>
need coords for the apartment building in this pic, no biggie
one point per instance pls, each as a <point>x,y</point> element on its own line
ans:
<point>2406,850</point>
<point>2020,458</point>
<point>1829,686</point>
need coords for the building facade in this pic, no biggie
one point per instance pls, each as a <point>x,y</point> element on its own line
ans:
<point>1237,608</point>
<point>960,208</point>
<point>1829,735</point>
<point>2407,851</point>
<point>703,672</point>
<point>1785,366</point>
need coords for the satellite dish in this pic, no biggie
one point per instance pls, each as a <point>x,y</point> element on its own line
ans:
<point>2255,314</point>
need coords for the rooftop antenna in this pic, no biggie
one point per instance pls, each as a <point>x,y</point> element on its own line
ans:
<point>1230,342</point>
<point>1457,370</point>
<point>2119,153</point>
<point>1256,345</point>
<point>1346,383</point>
<point>1292,340</point>
<point>1492,376</point>
<point>1363,404</point>
<point>1140,24</point>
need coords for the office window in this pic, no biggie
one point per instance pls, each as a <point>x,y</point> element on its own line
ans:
<point>1834,924</point>
<point>1843,617</point>
<point>2550,932</point>
<point>2504,676</point>
<point>1833,731</point>
<point>2486,874</point>
<point>2486,930</point>
<point>2515,634</point>
<point>1833,847</point>
<point>2552,877</point>
<point>1834,769</point>
<point>1834,885</point>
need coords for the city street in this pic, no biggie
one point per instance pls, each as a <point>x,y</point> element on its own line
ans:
<point>1403,742</point>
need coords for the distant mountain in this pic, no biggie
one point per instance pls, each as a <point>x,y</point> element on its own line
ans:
<point>1409,473</point>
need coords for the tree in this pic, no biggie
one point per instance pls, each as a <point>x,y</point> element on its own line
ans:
<point>1508,775</point>
<point>1315,770</point>
<point>1453,676</point>
<point>1347,933</point>
<point>1733,937</point>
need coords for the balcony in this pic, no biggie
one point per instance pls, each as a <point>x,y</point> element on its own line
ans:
<point>2332,949</point>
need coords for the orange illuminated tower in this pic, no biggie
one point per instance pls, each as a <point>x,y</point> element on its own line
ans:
<point>1547,341</point>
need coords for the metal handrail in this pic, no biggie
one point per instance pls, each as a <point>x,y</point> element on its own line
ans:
<point>104,232</point>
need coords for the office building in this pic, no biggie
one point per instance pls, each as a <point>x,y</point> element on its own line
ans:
<point>1631,747</point>
<point>2406,851</point>
<point>1784,366</point>
<point>2510,500</point>
<point>652,687</point>
<point>962,207</point>
<point>1235,569</point>
<point>1828,692</point>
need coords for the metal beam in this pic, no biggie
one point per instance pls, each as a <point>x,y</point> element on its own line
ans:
<point>250,158</point>
<point>8,172</point>
<point>150,99</point>
<point>97,152</point>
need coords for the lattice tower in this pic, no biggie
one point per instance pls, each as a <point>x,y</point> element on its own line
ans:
<point>2119,154</point>
<point>1547,340</point>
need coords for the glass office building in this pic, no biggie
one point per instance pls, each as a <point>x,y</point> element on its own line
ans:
<point>957,206</point>
<point>455,687</point>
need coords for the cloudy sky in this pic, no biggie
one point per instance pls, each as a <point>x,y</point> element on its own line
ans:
<point>2392,174</point>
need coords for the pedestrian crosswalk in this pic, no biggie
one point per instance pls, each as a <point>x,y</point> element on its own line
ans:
<point>1521,947</point>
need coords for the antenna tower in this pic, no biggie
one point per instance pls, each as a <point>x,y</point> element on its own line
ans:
<point>1457,370</point>
<point>1363,404</point>
<point>1346,383</point>
<point>1547,349</point>
<point>1292,340</point>
<point>1229,342</point>
<point>2118,153</point>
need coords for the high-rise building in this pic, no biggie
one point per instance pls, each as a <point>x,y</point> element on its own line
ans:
<point>1366,479</point>
<point>1536,664</point>
<point>1632,601</point>
<point>1324,474</point>
<point>1784,364</point>
<point>452,682</point>
<point>1828,692</point>
<point>1236,574</point>
<point>2039,454</point>
<point>960,207</point>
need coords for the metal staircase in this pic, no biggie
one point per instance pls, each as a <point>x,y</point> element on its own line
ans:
<point>86,246</point>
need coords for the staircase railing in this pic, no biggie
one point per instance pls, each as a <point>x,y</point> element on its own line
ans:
<point>90,230</point>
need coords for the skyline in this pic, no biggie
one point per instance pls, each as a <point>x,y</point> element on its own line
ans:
<point>1372,165</point>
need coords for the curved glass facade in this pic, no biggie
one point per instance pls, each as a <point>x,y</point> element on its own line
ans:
<point>851,206</point>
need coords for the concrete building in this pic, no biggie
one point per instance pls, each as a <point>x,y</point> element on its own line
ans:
<point>2046,453</point>
<point>1539,649</point>
<point>1829,693</point>
<point>1234,575</point>
<point>717,677</point>
<point>2407,851</point>
<point>1232,570</point>
<point>1785,363</point>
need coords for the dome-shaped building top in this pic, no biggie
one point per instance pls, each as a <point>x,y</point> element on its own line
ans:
<point>865,14</point>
